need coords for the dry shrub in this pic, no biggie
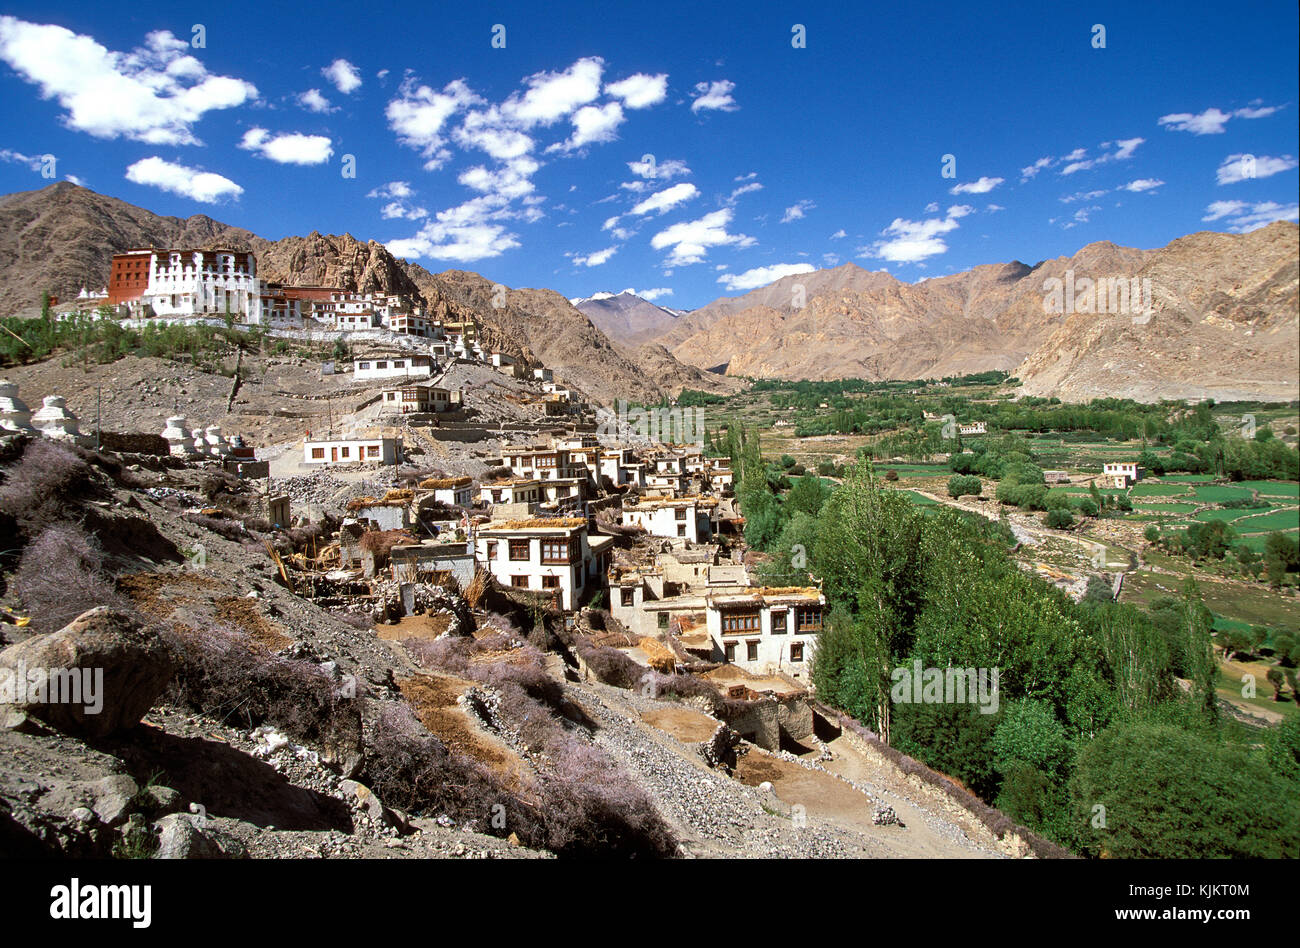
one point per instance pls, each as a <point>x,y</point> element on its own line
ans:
<point>685,686</point>
<point>478,587</point>
<point>61,575</point>
<point>609,664</point>
<point>223,675</point>
<point>44,487</point>
<point>222,526</point>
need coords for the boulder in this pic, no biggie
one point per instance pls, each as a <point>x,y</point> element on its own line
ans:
<point>179,837</point>
<point>104,668</point>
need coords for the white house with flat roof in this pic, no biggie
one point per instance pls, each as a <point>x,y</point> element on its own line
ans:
<point>1121,474</point>
<point>351,450</point>
<point>391,367</point>
<point>688,518</point>
<point>767,630</point>
<point>545,555</point>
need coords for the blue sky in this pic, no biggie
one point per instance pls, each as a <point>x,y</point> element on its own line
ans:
<point>524,162</point>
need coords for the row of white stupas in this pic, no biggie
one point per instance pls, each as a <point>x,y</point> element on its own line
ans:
<point>53,420</point>
<point>187,442</point>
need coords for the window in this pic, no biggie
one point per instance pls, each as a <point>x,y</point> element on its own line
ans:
<point>318,454</point>
<point>796,651</point>
<point>779,617</point>
<point>381,365</point>
<point>372,451</point>
<point>681,513</point>
<point>519,549</point>
<point>662,618</point>
<point>808,618</point>
<point>681,529</point>
<point>519,582</point>
<point>550,582</point>
<point>627,596</point>
<point>751,651</point>
<point>344,451</point>
<point>731,651</point>
<point>733,622</point>
<point>491,549</point>
<point>555,551</point>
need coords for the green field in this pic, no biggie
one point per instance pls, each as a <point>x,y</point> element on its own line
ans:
<point>1164,508</point>
<point>1277,520</point>
<point>1219,493</point>
<point>1158,490</point>
<point>1273,488</point>
<point>1227,516</point>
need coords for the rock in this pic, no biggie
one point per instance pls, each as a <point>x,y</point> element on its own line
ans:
<point>361,796</point>
<point>107,669</point>
<point>720,749</point>
<point>884,815</point>
<point>113,798</point>
<point>163,799</point>
<point>180,838</point>
<point>82,814</point>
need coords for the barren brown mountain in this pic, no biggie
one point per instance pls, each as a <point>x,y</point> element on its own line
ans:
<point>61,238</point>
<point>1224,324</point>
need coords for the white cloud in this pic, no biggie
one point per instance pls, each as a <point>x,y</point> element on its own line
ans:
<point>75,180</point>
<point>1083,196</point>
<point>506,183</point>
<point>667,199</point>
<point>400,210</point>
<point>690,240</point>
<point>418,115</point>
<point>797,210</point>
<point>489,131</point>
<point>34,162</point>
<point>1211,121</point>
<point>982,186</point>
<point>592,124</point>
<point>288,149</point>
<point>640,91</point>
<point>994,208</point>
<point>658,169</point>
<point>657,293</point>
<point>594,259</point>
<point>345,76</point>
<point>1037,166</point>
<point>744,189</point>
<point>553,95</point>
<point>762,276</point>
<point>313,101</point>
<point>464,234</point>
<point>1124,149</point>
<point>393,189</point>
<point>913,241</point>
<point>932,208</point>
<point>1243,216</point>
<point>839,234</point>
<point>189,182</point>
<point>714,95</point>
<point>1235,167</point>
<point>1142,184</point>
<point>153,94</point>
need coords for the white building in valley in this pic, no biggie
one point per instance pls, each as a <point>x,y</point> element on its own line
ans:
<point>767,630</point>
<point>544,555</point>
<point>352,449</point>
<point>687,518</point>
<point>392,367</point>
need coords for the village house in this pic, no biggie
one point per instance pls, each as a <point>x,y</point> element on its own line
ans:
<point>669,593</point>
<point>688,518</point>
<point>452,491</point>
<point>1056,477</point>
<point>388,513</point>
<point>419,399</point>
<point>349,450</point>
<point>510,490</point>
<point>767,630</point>
<point>621,467</point>
<point>670,483</point>
<point>433,562</point>
<point>973,428</point>
<point>546,555</point>
<point>411,366</point>
<point>542,463</point>
<point>1121,474</point>
<point>184,282</point>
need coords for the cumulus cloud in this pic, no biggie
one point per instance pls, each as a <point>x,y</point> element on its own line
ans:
<point>594,259</point>
<point>1037,166</point>
<point>744,189</point>
<point>762,276</point>
<point>982,186</point>
<point>912,241</point>
<point>489,131</point>
<point>1211,121</point>
<point>653,294</point>
<point>797,210</point>
<point>1142,184</point>
<point>667,199</point>
<point>153,94</point>
<point>1243,216</point>
<point>1121,150</point>
<point>839,234</point>
<point>465,233</point>
<point>34,162</point>
<point>393,189</point>
<point>288,149</point>
<point>188,182</point>
<point>313,101</point>
<point>400,210</point>
<point>553,95</point>
<point>640,91</point>
<point>1083,196</point>
<point>714,96</point>
<point>1240,167</point>
<point>592,124</point>
<point>666,170</point>
<point>418,114</point>
<point>345,76</point>
<point>690,240</point>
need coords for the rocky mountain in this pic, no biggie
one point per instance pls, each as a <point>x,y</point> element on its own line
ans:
<point>61,238</point>
<point>626,317</point>
<point>1222,301</point>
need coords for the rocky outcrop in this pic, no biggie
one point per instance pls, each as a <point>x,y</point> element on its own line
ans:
<point>104,669</point>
